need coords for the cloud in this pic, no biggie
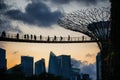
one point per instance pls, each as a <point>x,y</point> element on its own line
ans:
<point>5,23</point>
<point>90,55</point>
<point>36,13</point>
<point>86,2</point>
<point>61,1</point>
<point>2,5</point>
<point>15,52</point>
<point>85,67</point>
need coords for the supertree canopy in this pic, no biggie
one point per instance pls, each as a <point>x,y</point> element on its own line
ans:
<point>94,23</point>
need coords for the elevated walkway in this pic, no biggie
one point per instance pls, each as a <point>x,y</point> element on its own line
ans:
<point>42,39</point>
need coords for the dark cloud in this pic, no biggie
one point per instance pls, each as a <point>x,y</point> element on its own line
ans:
<point>5,23</point>
<point>90,69</point>
<point>85,67</point>
<point>18,15</point>
<point>15,52</point>
<point>87,2</point>
<point>90,55</point>
<point>75,63</point>
<point>37,13</point>
<point>2,5</point>
<point>61,1</point>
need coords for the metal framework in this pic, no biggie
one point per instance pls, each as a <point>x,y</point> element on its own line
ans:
<point>94,23</point>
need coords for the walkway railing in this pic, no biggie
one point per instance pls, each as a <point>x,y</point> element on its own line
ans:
<point>43,39</point>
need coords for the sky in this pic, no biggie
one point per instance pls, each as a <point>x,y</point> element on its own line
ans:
<point>40,17</point>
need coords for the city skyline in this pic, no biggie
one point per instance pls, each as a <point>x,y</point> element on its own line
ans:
<point>46,24</point>
<point>16,23</point>
<point>29,67</point>
<point>58,66</point>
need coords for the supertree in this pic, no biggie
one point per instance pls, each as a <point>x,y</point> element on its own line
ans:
<point>94,23</point>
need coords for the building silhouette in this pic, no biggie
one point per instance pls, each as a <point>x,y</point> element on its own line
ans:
<point>3,61</point>
<point>53,67</point>
<point>27,65</point>
<point>40,67</point>
<point>98,66</point>
<point>16,69</point>
<point>64,62</point>
<point>60,65</point>
<point>75,74</point>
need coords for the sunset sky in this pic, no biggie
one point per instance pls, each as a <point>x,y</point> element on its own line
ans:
<point>40,17</point>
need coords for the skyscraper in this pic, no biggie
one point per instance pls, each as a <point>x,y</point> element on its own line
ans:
<point>65,66</point>
<point>53,67</point>
<point>27,65</point>
<point>15,69</point>
<point>60,65</point>
<point>2,59</point>
<point>40,67</point>
<point>98,65</point>
<point>75,74</point>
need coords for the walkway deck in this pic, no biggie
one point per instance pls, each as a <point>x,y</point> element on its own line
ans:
<point>42,39</point>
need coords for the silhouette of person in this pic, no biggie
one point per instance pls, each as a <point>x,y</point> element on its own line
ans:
<point>31,36</point>
<point>25,36</point>
<point>40,37</point>
<point>34,37</point>
<point>68,37</point>
<point>48,38</point>
<point>61,38</point>
<point>3,34</point>
<point>55,38</point>
<point>17,36</point>
<point>82,38</point>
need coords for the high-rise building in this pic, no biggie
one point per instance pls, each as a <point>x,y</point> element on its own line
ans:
<point>15,69</point>
<point>75,74</point>
<point>53,67</point>
<point>65,66</point>
<point>60,65</point>
<point>98,65</point>
<point>27,65</point>
<point>40,67</point>
<point>3,59</point>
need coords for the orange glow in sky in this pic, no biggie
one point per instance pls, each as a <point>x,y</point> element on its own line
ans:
<point>79,51</point>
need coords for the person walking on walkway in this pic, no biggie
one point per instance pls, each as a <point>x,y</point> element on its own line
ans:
<point>68,37</point>
<point>54,38</point>
<point>31,36</point>
<point>40,37</point>
<point>61,38</point>
<point>17,36</point>
<point>3,34</point>
<point>28,36</point>
<point>82,38</point>
<point>48,39</point>
<point>25,36</point>
<point>34,37</point>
